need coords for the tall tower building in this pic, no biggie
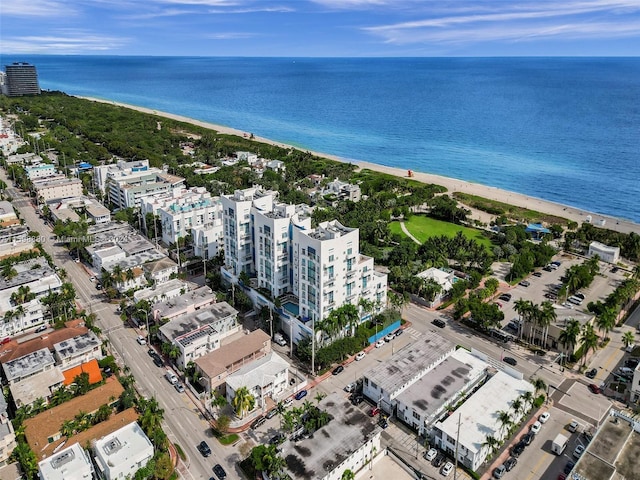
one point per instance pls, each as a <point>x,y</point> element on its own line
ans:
<point>22,79</point>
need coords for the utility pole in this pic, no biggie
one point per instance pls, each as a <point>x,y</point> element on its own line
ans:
<point>455,469</point>
<point>313,344</point>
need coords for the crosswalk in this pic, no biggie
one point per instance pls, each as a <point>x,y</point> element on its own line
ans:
<point>415,334</point>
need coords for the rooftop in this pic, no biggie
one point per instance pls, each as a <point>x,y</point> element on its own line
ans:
<point>183,327</point>
<point>219,361</point>
<point>28,365</point>
<point>347,431</point>
<point>410,363</point>
<point>36,386</point>
<point>133,261</point>
<point>330,230</point>
<point>260,372</point>
<point>479,413</point>
<point>71,463</point>
<point>77,345</point>
<point>169,288</point>
<point>91,368</point>
<point>159,265</point>
<point>44,275</point>
<point>173,306</point>
<point>124,446</point>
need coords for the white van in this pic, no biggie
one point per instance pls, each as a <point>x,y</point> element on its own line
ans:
<point>171,377</point>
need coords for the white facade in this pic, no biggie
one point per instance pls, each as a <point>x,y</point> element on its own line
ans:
<point>40,171</point>
<point>238,237</point>
<point>606,253</point>
<point>265,378</point>
<point>478,419</point>
<point>122,453</point>
<point>207,240</point>
<point>72,463</point>
<point>328,270</point>
<point>271,230</point>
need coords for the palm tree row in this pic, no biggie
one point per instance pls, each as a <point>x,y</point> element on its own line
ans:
<point>535,315</point>
<point>519,407</point>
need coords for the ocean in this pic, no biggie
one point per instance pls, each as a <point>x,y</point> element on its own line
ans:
<point>561,129</point>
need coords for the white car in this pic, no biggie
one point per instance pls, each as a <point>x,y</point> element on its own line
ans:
<point>577,453</point>
<point>389,337</point>
<point>447,469</point>
<point>360,356</point>
<point>92,279</point>
<point>535,428</point>
<point>431,454</point>
<point>141,340</point>
<point>380,343</point>
<point>544,417</point>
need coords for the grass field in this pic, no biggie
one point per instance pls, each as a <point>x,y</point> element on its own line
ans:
<point>424,227</point>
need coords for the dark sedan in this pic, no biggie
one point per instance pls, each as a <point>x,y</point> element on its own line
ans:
<point>337,370</point>
<point>510,360</point>
<point>219,471</point>
<point>592,373</point>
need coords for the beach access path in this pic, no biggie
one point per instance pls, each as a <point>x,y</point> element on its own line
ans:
<point>451,184</point>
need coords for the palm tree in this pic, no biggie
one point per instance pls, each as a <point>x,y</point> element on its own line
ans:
<point>280,409</point>
<point>505,420</point>
<point>243,401</point>
<point>348,475</point>
<point>589,341</point>
<point>491,443</point>
<point>527,398</point>
<point>522,308</point>
<point>606,321</point>
<point>539,385</point>
<point>319,396</point>
<point>67,428</point>
<point>546,317</point>
<point>569,336</point>
<point>152,414</point>
<point>516,406</point>
<point>116,273</point>
<point>628,339</point>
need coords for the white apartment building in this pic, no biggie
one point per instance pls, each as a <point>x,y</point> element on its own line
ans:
<point>271,227</point>
<point>47,190</point>
<point>7,434</point>
<point>119,170</point>
<point>329,271</point>
<point>122,453</point>
<point>183,209</point>
<point>238,237</point>
<point>71,463</point>
<point>605,252</point>
<point>42,170</point>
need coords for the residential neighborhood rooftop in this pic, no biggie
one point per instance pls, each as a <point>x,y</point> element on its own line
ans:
<point>219,361</point>
<point>77,345</point>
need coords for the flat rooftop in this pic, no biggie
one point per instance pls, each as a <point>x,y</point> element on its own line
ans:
<point>347,431</point>
<point>244,349</point>
<point>410,363</point>
<point>173,306</point>
<point>167,289</point>
<point>196,324</point>
<point>71,462</point>
<point>478,415</point>
<point>77,345</point>
<point>124,445</point>
<point>443,383</point>
<point>615,449</point>
<point>260,372</point>
<point>28,390</point>
<point>44,274</point>
<point>28,365</point>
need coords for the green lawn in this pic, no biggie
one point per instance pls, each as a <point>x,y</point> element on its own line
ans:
<point>423,227</point>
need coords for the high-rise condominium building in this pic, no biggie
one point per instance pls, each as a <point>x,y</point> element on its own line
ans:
<point>21,79</point>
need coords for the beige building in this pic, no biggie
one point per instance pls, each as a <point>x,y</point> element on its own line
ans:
<point>60,188</point>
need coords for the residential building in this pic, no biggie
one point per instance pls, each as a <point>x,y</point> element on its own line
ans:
<point>121,170</point>
<point>549,335</point>
<point>207,240</point>
<point>329,271</point>
<point>7,434</point>
<point>426,400</point>
<point>444,277</point>
<point>42,431</point>
<point>163,291</point>
<point>200,332</point>
<point>71,463</point>
<point>271,227</point>
<point>478,415</point>
<point>337,446</point>
<point>21,79</point>
<point>47,190</point>
<point>385,381</point>
<point>238,240</point>
<point>277,166</point>
<point>187,302</point>
<point>160,271</point>
<point>15,233</point>
<point>343,190</point>
<point>104,253</point>
<point>24,159</point>
<point>98,213</point>
<point>41,170</point>
<point>122,453</point>
<point>78,350</point>
<point>33,376</point>
<point>605,252</point>
<point>91,368</point>
<point>7,214</point>
<point>215,366</point>
<point>264,378</point>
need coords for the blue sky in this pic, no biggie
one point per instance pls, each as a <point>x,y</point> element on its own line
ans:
<point>321,28</point>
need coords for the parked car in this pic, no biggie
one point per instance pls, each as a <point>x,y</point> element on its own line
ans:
<point>301,394</point>
<point>141,340</point>
<point>92,279</point>
<point>592,373</point>
<point>447,469</point>
<point>510,360</point>
<point>41,328</point>
<point>158,360</point>
<point>510,463</point>
<point>219,471</point>
<point>271,413</point>
<point>257,423</point>
<point>505,297</point>
<point>537,274</point>
<point>568,467</point>
<point>389,336</point>
<point>499,471</point>
<point>579,450</point>
<point>204,449</point>
<point>524,283</point>
<point>431,454</point>
<point>360,356</point>
<point>374,411</point>
<point>339,369</point>
<point>439,323</point>
<point>383,422</point>
<point>535,427</point>
<point>544,417</point>
<point>380,343</point>
<point>288,402</point>
<point>399,332</point>
<point>276,439</point>
<point>357,399</point>
<point>527,438</point>
<point>179,387</point>
<point>517,449</point>
<point>439,460</point>
<point>594,388</point>
<point>573,426</point>
<point>350,387</point>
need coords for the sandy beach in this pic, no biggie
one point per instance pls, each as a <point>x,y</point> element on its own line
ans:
<point>452,184</point>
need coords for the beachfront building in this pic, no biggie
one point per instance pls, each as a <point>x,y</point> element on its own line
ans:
<point>71,463</point>
<point>328,271</point>
<point>21,79</point>
<point>122,453</point>
<point>343,190</point>
<point>479,417</point>
<point>605,252</point>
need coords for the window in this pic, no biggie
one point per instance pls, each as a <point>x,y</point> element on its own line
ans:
<point>416,416</point>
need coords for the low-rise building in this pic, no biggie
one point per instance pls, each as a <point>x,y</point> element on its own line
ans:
<point>7,214</point>
<point>7,434</point>
<point>122,453</point>
<point>47,190</point>
<point>215,366</point>
<point>549,335</point>
<point>186,302</point>
<point>161,292</point>
<point>605,252</point>
<point>14,233</point>
<point>41,170</point>
<point>385,381</point>
<point>104,253</point>
<point>350,441</point>
<point>98,213</point>
<point>344,190</point>
<point>445,278</point>
<point>71,463</point>
<point>478,414</point>
<point>160,271</point>
<point>27,366</point>
<point>200,332</point>
<point>264,378</point>
<point>78,350</point>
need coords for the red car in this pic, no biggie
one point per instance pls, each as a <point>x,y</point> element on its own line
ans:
<point>374,411</point>
<point>594,388</point>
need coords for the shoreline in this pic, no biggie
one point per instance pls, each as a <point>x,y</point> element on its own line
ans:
<point>451,184</point>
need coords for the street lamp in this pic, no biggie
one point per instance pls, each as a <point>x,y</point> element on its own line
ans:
<point>147,319</point>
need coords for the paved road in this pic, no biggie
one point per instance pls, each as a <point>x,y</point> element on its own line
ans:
<point>183,423</point>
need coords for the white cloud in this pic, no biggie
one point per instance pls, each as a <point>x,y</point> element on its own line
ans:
<point>230,35</point>
<point>69,42</point>
<point>35,8</point>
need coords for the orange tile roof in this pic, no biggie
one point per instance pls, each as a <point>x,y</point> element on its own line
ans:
<point>91,367</point>
<point>16,349</point>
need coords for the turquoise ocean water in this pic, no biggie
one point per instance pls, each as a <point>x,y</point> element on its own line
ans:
<point>562,129</point>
